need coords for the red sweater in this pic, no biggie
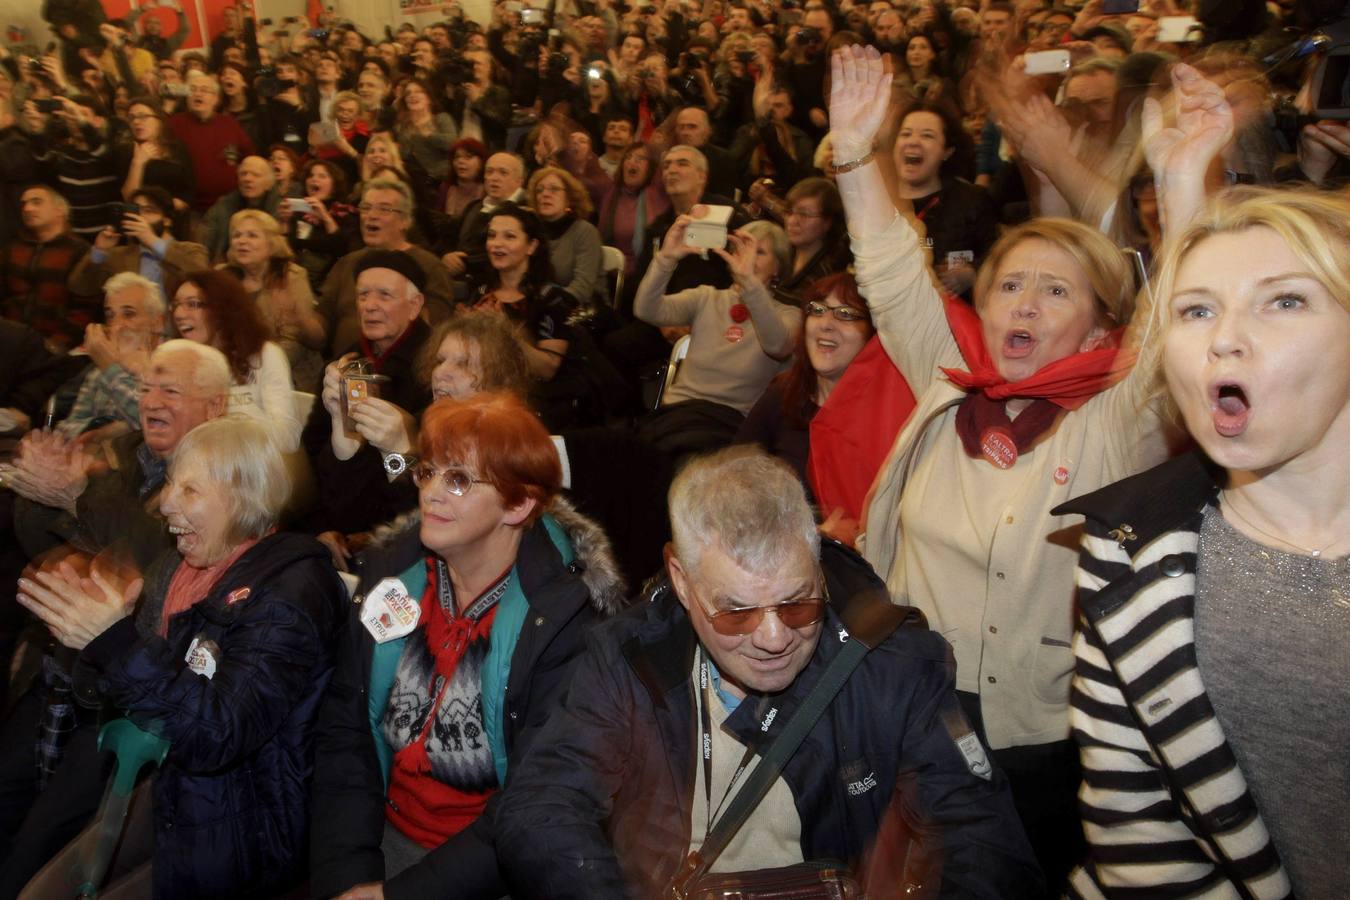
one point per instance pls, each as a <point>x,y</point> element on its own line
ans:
<point>215,148</point>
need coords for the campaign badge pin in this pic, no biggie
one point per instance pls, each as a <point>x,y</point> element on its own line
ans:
<point>389,612</point>
<point>1061,474</point>
<point>734,334</point>
<point>237,595</point>
<point>203,656</point>
<point>998,446</point>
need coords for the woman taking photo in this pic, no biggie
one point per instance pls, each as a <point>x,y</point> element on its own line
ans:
<point>224,650</point>
<point>1023,402</point>
<point>424,134</point>
<point>259,258</point>
<point>212,308</point>
<point>1223,575</point>
<point>573,242</point>
<point>237,98</point>
<point>492,586</point>
<point>157,158</point>
<point>740,337</point>
<point>328,228</point>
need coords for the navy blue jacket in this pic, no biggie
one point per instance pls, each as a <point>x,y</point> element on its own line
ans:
<point>600,806</point>
<point>232,799</point>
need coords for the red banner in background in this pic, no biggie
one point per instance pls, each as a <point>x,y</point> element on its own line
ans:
<point>168,17</point>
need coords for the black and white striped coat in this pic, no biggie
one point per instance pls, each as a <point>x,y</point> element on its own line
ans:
<point>1166,811</point>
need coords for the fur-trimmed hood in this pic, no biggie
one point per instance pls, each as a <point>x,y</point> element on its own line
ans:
<point>594,561</point>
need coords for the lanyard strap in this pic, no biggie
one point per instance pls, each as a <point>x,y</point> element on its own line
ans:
<point>705,743</point>
<point>445,594</point>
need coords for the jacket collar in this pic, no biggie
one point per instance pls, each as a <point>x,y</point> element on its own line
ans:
<point>1141,508</point>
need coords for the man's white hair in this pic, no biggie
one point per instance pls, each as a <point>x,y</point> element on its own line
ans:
<point>745,502</point>
<point>152,296</point>
<point>211,374</point>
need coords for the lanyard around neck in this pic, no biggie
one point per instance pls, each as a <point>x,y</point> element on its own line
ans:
<point>705,697</point>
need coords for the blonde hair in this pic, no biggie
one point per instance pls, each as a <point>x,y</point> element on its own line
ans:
<point>395,155</point>
<point>578,198</point>
<point>763,230</point>
<point>1108,273</point>
<point>1314,224</point>
<point>276,240</point>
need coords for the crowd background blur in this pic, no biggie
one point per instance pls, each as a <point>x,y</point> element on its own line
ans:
<point>651,210</point>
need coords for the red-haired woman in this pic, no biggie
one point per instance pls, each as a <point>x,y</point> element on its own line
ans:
<point>471,621</point>
<point>212,307</point>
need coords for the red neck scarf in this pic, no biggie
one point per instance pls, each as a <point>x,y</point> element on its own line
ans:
<point>1065,384</point>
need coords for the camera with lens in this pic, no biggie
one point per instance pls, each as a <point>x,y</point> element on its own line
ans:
<point>745,56</point>
<point>266,83</point>
<point>455,70</point>
<point>557,64</point>
<point>808,36</point>
<point>36,67</point>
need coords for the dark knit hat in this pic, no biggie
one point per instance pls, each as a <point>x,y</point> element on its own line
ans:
<point>397,260</point>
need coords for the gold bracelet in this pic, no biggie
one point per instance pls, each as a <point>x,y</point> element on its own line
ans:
<point>854,164</point>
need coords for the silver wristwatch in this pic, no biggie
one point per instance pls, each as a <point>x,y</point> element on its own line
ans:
<point>395,464</point>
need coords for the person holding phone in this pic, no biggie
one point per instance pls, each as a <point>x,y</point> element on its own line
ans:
<point>142,241</point>
<point>739,337</point>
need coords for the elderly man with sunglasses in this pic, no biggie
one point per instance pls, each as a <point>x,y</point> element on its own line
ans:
<point>891,781</point>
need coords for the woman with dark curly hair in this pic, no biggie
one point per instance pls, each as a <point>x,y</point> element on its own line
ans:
<point>328,228</point>
<point>211,307</point>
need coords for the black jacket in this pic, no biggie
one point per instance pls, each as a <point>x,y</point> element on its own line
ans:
<point>355,495</point>
<point>231,800</point>
<point>601,805</point>
<point>349,788</point>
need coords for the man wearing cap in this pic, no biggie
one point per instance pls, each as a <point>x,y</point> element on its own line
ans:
<point>386,216</point>
<point>361,448</point>
<point>150,250</point>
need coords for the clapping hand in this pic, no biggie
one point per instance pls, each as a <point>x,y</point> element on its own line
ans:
<point>77,608</point>
<point>860,95</point>
<point>50,470</point>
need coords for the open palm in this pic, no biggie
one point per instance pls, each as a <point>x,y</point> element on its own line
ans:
<point>860,95</point>
<point>1203,126</point>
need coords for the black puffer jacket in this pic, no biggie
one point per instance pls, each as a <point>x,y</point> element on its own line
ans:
<point>232,799</point>
<point>349,789</point>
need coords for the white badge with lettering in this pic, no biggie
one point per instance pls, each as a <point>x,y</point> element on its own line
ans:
<point>976,759</point>
<point>203,656</point>
<point>388,612</point>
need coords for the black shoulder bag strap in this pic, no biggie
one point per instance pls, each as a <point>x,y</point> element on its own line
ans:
<point>881,622</point>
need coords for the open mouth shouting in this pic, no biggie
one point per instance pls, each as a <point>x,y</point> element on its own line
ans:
<point>1230,408</point>
<point>1018,344</point>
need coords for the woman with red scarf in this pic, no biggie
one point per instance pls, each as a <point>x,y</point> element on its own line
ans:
<point>1023,403</point>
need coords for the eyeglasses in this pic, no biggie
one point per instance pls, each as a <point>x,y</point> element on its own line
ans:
<point>456,481</point>
<point>805,213</point>
<point>745,619</point>
<point>842,313</point>
<point>383,209</point>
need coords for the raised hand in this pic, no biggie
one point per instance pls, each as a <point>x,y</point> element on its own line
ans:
<point>739,256</point>
<point>860,96</point>
<point>1203,125</point>
<point>673,247</point>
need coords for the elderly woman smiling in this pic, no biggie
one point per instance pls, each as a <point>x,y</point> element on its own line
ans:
<point>226,656</point>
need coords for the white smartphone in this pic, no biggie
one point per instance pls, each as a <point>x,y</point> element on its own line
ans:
<point>1048,62</point>
<point>531,16</point>
<point>709,231</point>
<point>299,205</point>
<point>1179,30</point>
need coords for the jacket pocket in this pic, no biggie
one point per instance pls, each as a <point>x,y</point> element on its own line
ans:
<point>1052,670</point>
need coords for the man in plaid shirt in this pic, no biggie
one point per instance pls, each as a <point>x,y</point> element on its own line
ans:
<point>34,267</point>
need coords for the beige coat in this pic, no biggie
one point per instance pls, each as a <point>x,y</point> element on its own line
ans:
<point>975,547</point>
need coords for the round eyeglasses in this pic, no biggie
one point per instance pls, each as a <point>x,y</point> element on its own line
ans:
<point>457,481</point>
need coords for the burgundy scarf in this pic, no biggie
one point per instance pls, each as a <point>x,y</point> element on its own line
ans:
<point>982,422</point>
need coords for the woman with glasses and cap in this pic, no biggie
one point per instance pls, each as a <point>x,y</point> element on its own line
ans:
<point>472,612</point>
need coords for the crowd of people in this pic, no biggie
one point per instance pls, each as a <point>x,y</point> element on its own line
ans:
<point>433,439</point>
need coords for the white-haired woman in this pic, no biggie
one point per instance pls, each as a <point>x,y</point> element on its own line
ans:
<point>1214,590</point>
<point>223,649</point>
<point>740,337</point>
